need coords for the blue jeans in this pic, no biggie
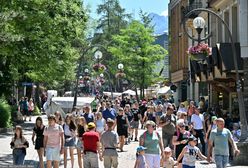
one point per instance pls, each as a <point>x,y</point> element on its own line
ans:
<point>186,166</point>
<point>18,157</point>
<point>221,161</point>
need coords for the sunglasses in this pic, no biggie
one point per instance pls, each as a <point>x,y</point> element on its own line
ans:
<point>182,126</point>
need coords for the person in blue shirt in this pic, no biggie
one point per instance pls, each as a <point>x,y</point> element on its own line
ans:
<point>89,117</point>
<point>220,138</point>
<point>109,112</point>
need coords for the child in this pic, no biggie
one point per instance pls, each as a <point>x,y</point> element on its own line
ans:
<point>167,160</point>
<point>140,158</point>
<point>190,152</point>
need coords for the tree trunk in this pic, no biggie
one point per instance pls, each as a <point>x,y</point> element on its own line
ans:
<point>37,96</point>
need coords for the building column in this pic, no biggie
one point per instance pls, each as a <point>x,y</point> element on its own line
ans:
<point>243,34</point>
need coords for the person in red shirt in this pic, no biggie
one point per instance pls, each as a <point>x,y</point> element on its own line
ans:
<point>92,146</point>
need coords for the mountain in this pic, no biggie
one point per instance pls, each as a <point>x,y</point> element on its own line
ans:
<point>160,23</point>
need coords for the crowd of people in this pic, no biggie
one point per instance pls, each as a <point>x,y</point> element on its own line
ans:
<point>100,130</point>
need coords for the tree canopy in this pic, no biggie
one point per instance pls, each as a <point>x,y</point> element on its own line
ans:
<point>37,39</point>
<point>135,48</point>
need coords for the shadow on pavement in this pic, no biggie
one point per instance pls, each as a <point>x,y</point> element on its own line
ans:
<point>6,160</point>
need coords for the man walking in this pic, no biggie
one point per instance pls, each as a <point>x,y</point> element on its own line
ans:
<point>109,140</point>
<point>92,146</point>
<point>199,129</point>
<point>220,138</point>
<point>53,142</point>
<point>168,124</point>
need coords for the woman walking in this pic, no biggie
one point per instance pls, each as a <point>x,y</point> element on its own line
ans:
<point>30,108</point>
<point>19,145</point>
<point>180,140</point>
<point>38,142</point>
<point>81,127</point>
<point>122,127</point>
<point>151,140</point>
<point>69,133</point>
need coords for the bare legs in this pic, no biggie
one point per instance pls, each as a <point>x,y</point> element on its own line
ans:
<point>122,141</point>
<point>79,157</point>
<point>40,154</point>
<point>71,149</point>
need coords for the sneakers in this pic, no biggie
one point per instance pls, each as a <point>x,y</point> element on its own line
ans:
<point>136,139</point>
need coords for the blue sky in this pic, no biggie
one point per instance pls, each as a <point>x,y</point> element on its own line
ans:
<point>133,6</point>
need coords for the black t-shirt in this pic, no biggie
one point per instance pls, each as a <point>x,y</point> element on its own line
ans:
<point>80,130</point>
<point>181,137</point>
<point>136,113</point>
<point>39,131</point>
<point>121,122</point>
<point>129,116</point>
<point>142,109</point>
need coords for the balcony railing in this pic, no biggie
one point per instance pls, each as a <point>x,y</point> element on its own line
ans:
<point>191,7</point>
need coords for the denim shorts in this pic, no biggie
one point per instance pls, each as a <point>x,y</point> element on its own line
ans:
<point>53,154</point>
<point>221,161</point>
<point>70,143</point>
<point>79,144</point>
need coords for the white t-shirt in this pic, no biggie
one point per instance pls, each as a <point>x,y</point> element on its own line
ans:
<point>198,121</point>
<point>189,157</point>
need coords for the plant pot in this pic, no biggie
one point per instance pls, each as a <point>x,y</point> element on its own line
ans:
<point>198,57</point>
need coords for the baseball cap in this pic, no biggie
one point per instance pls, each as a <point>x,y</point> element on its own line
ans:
<point>213,118</point>
<point>192,138</point>
<point>91,125</point>
<point>167,149</point>
<point>140,148</point>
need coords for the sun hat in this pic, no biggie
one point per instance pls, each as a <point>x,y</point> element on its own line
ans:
<point>91,125</point>
<point>140,148</point>
<point>150,122</point>
<point>109,120</point>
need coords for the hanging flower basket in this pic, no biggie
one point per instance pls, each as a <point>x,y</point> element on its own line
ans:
<point>199,52</point>
<point>86,78</point>
<point>99,67</point>
<point>120,75</point>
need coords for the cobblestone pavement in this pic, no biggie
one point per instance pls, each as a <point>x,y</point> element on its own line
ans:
<point>126,158</point>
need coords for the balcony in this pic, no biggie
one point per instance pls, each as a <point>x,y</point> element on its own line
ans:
<point>190,7</point>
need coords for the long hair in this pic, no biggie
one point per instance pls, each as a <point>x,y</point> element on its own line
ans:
<point>72,125</point>
<point>38,119</point>
<point>18,127</point>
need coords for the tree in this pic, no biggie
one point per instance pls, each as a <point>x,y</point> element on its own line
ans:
<point>47,29</point>
<point>135,48</point>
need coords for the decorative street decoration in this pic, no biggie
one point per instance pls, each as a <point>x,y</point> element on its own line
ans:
<point>99,67</point>
<point>199,52</point>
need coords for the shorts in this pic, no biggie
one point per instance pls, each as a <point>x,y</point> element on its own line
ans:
<point>122,132</point>
<point>134,124</point>
<point>70,143</point>
<point>79,145</point>
<point>39,143</point>
<point>90,160</point>
<point>153,160</point>
<point>53,154</point>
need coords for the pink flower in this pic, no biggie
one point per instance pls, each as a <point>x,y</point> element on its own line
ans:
<point>201,48</point>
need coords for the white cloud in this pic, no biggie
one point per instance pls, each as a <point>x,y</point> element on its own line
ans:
<point>164,13</point>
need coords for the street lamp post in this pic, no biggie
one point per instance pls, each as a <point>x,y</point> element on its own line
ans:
<point>199,24</point>
<point>120,68</point>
